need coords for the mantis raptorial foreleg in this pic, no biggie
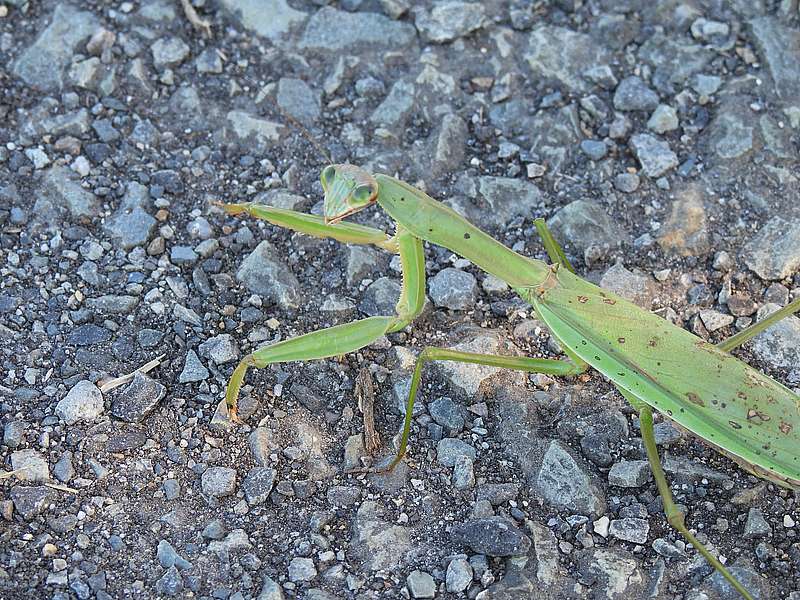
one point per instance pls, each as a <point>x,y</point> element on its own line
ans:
<point>349,337</point>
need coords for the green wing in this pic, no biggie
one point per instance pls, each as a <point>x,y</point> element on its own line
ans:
<point>709,392</point>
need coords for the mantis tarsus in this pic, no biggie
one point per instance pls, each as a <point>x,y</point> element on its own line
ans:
<point>741,412</point>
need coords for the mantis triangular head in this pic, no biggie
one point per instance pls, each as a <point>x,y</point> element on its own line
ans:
<point>348,189</point>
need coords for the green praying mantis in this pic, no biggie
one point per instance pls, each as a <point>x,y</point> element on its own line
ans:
<point>735,408</point>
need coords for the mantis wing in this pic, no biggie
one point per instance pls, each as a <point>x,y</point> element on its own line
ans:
<point>735,407</point>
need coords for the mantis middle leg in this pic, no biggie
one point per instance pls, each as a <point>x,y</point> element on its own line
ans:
<point>572,366</point>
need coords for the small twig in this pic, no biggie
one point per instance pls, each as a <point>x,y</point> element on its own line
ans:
<point>201,25</point>
<point>118,381</point>
<point>55,486</point>
<point>365,395</point>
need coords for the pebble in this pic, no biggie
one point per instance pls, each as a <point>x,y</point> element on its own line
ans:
<point>565,484</point>
<point>492,536</point>
<point>458,575</point>
<point>626,182</point>
<point>756,525</point>
<point>302,569</point>
<point>454,289</point>
<point>630,530</point>
<point>663,119</point>
<point>450,449</point>
<point>219,481</point>
<point>421,584</point>
<point>138,399</point>
<point>257,485</point>
<point>193,369</point>
<point>220,349</point>
<point>83,403</point>
<point>633,94</point>
<point>654,155</point>
<point>629,473</point>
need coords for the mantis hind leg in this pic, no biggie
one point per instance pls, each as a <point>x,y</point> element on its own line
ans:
<point>674,516</point>
<point>554,250</point>
<point>573,366</point>
<point>750,332</point>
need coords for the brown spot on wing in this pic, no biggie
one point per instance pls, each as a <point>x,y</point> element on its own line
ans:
<point>757,414</point>
<point>583,299</point>
<point>695,399</point>
<point>786,428</point>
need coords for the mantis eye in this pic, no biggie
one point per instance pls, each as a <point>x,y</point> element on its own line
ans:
<point>327,176</point>
<point>363,194</point>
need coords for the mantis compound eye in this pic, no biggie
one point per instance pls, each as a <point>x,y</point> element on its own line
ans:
<point>363,194</point>
<point>327,176</point>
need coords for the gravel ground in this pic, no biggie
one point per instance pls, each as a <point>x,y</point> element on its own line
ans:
<point>659,139</point>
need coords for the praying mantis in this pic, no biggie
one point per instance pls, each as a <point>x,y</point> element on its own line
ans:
<point>741,412</point>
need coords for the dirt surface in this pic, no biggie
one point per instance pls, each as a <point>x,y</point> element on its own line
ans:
<point>659,140</point>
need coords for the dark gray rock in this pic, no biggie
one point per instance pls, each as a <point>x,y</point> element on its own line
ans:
<point>380,298</point>
<point>633,94</point>
<point>193,369</point>
<point>630,529</point>
<point>777,42</point>
<point>493,536</point>
<point>653,154</point>
<point>272,19</point>
<point>138,399</point>
<point>565,484</point>
<point>561,54</point>
<point>449,20</point>
<point>774,252</point>
<point>449,449</point>
<point>42,64</point>
<point>131,225</point>
<point>582,225</point>
<point>219,481</point>
<point>220,349</point>
<point>264,273</point>
<point>454,289</point>
<point>30,501</point>
<point>332,30</point>
<point>779,345</point>
<point>257,485</point>
<point>297,98</point>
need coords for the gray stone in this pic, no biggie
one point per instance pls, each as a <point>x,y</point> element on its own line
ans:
<point>263,273</point>
<point>663,119</point>
<point>779,345</point>
<point>493,536</point>
<point>302,569</point>
<point>553,132</point>
<point>674,59</point>
<point>378,544</point>
<point>706,85</point>
<point>397,107</point>
<point>61,194</point>
<point>447,413</point>
<point>449,20</point>
<point>170,583</point>
<point>214,530</point>
<point>30,501</point>
<point>42,64</point>
<point>334,30</point>
<point>630,529</point>
<point>594,149</point>
<point>653,154</point>
<point>138,399</point>
<point>219,481</point>
<point>458,576</point>
<point>635,287</point>
<point>380,298</point>
<point>209,61</point>
<point>297,98</point>
<point>167,556</point>
<point>63,469</point>
<point>629,473</point>
<point>774,252</point>
<point>714,320</point>
<point>271,19</point>
<point>257,485</point>
<point>113,305</point>
<point>182,255</point>
<point>454,289</point>
<point>83,403</point>
<point>271,590</point>
<point>31,466</point>
<point>756,525</point>
<point>627,182</point>
<point>220,349</point>
<point>169,52</point>
<point>633,94</point>
<point>565,484</point>
<point>778,44</point>
<point>449,146</point>
<point>449,449</point>
<point>561,54</point>
<point>582,225</point>
<point>420,584</point>
<point>507,198</point>
<point>248,131</point>
<point>13,432</point>
<point>193,369</point>
<point>731,135</point>
<point>463,473</point>
<point>131,225</point>
<point>260,445</point>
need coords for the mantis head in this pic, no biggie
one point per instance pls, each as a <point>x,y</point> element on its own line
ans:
<point>348,189</point>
